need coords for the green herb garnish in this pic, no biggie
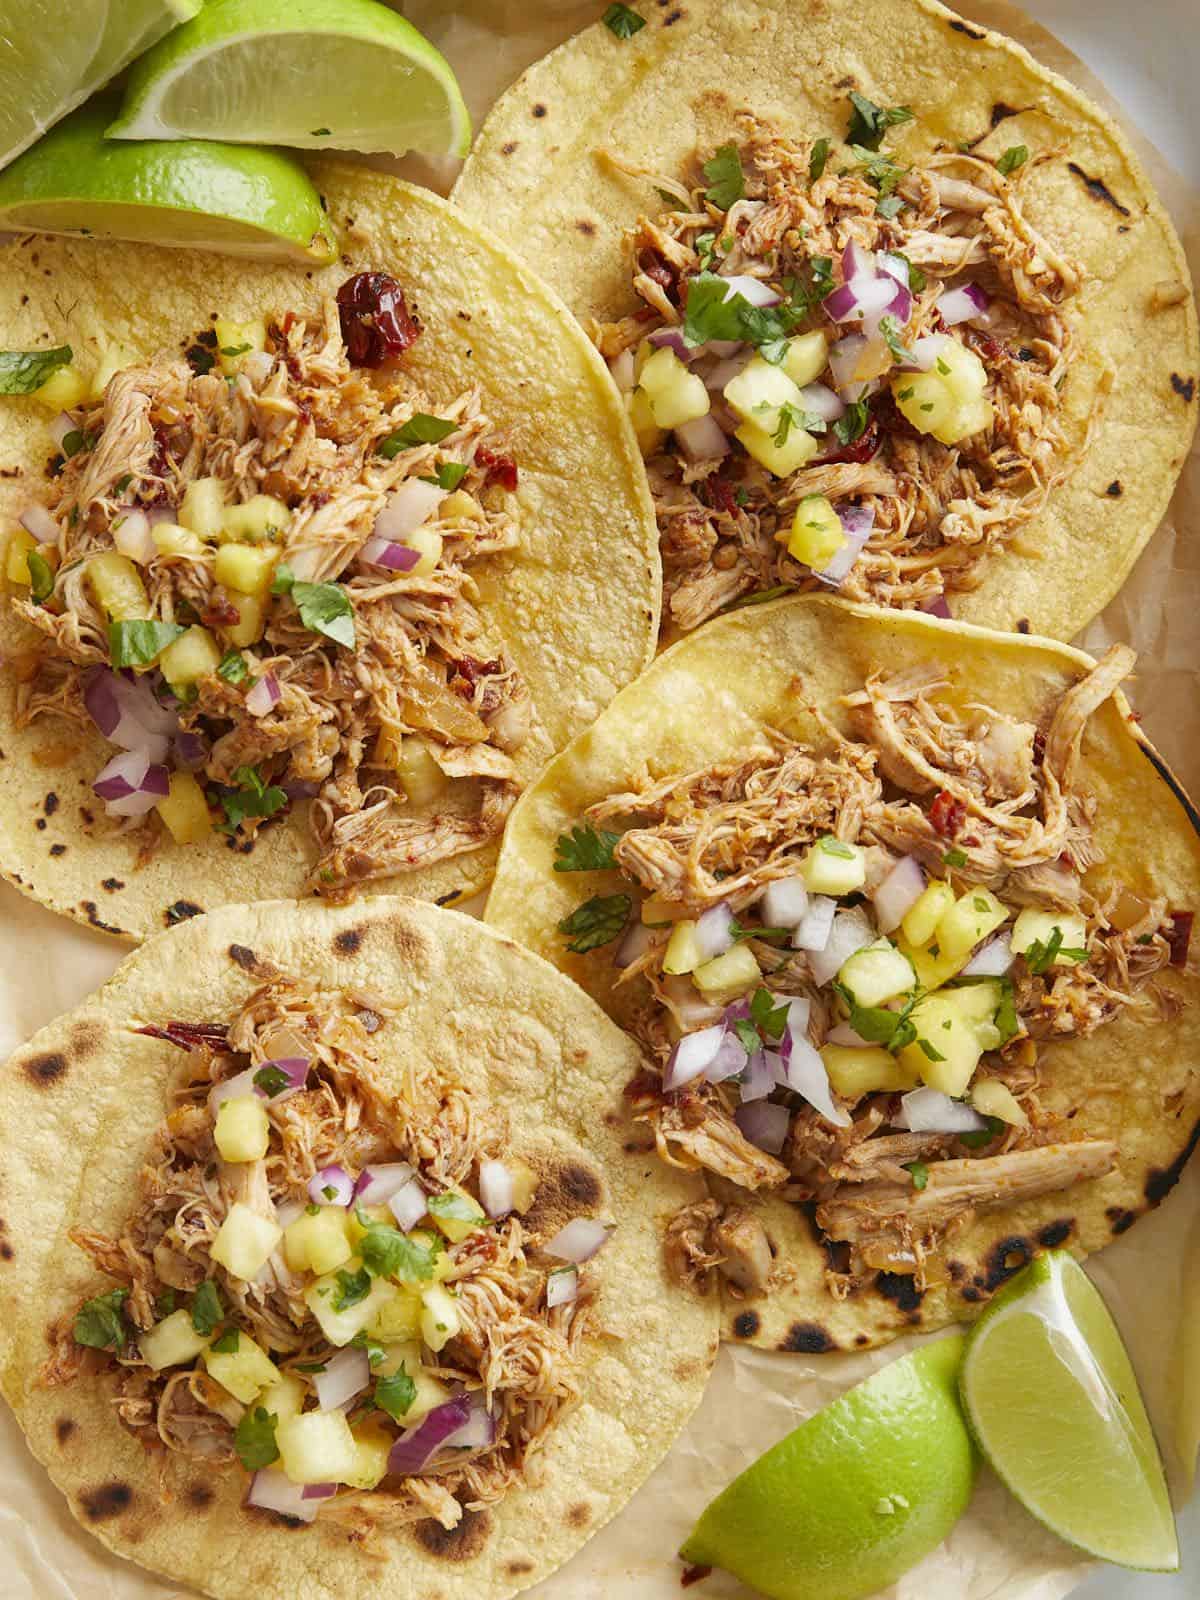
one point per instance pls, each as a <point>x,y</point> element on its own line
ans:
<point>449,475</point>
<point>1015,156</point>
<point>324,607</point>
<point>353,1286</point>
<point>878,1025</point>
<point>1040,957</point>
<point>254,1438</point>
<point>585,849</point>
<point>99,1323</point>
<point>890,333</point>
<point>954,857</point>
<point>420,428</point>
<point>42,575</point>
<point>869,122</point>
<point>23,371</point>
<point>206,1308</point>
<point>233,667</point>
<point>395,1394</point>
<point>272,1080</point>
<point>835,847</point>
<point>138,643</point>
<point>852,424</point>
<point>726,179</point>
<point>252,798</point>
<point>931,1052</point>
<point>982,1136</point>
<point>227,1344</point>
<point>818,156</point>
<point>596,922</point>
<point>623,22</point>
<point>388,1253</point>
<point>920,1173</point>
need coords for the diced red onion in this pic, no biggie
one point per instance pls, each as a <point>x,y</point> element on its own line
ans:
<point>395,557</point>
<point>672,339</point>
<point>798,1012</point>
<point>378,1183</point>
<point>963,304</point>
<point>806,1076</point>
<point>264,696</point>
<point>895,266</point>
<point>157,515</point>
<point>821,401</point>
<point>729,1060</point>
<point>725,371</point>
<point>992,959</point>
<point>562,1286</point>
<point>633,944</point>
<point>758,1079</point>
<point>754,290</point>
<point>331,1186</point>
<point>346,1374</point>
<point>900,306</point>
<point>479,1430</point>
<point>692,1055</point>
<point>857,522</point>
<point>925,352</point>
<point>723,348</point>
<point>784,903</point>
<point>843,1033</point>
<point>126,712</point>
<point>858,262</point>
<point>232,1089</point>
<point>294,1069</point>
<point>271,1490</point>
<point>930,1111</point>
<point>898,893</point>
<point>851,931</point>
<point>409,1205</point>
<point>937,607</point>
<point>300,789</point>
<point>579,1240</point>
<point>624,371</point>
<point>864,297</point>
<point>191,751</point>
<point>414,1450</point>
<point>764,1124</point>
<point>497,1192</point>
<point>813,930</point>
<point>37,521</point>
<point>63,424</point>
<point>130,785</point>
<point>407,508</point>
<point>319,1491</point>
<point>701,439</point>
<point>714,931</point>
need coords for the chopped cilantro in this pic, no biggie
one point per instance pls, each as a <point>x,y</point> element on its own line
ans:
<point>704,245</point>
<point>835,847</point>
<point>353,1286</point>
<point>75,441</point>
<point>768,934</point>
<point>206,1308</point>
<point>123,483</point>
<point>818,156</point>
<point>99,1323</point>
<point>42,575</point>
<point>283,580</point>
<point>272,1080</point>
<point>982,1136</point>
<point>869,122</point>
<point>981,903</point>
<point>449,475</point>
<point>889,206</point>
<point>234,349</point>
<point>164,1303</point>
<point>455,1207</point>
<point>954,857</point>
<point>252,798</point>
<point>623,22</point>
<point>1015,156</point>
<point>324,607</point>
<point>1006,1019</point>
<point>138,643</point>
<point>769,1018</point>
<point>790,417</point>
<point>585,849</point>
<point>227,1344</point>
<point>420,428</point>
<point>713,312</point>
<point>23,371</point>
<point>727,182</point>
<point>254,1438</point>
<point>852,424</point>
<point>1040,957</point>
<point>920,1173</point>
<point>892,1029</point>
<point>890,333</point>
<point>596,922</point>
<point>930,1051</point>
<point>388,1253</point>
<point>233,667</point>
<point>395,1394</point>
<point>916,278</point>
<point>376,1352</point>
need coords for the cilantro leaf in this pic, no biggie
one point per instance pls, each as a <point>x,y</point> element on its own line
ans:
<point>454,1207</point>
<point>954,857</point>
<point>892,1029</point>
<point>326,608</point>
<point>420,428</point>
<point>42,575</point>
<point>726,179</point>
<point>889,205</point>
<point>395,1394</point>
<point>230,350</point>
<point>768,934</point>
<point>1015,156</point>
<point>852,424</point>
<point>790,417</point>
<point>164,1303</point>
<point>713,312</point>
<point>252,798</point>
<point>758,598</point>
<point>376,1352</point>
<point>388,1253</point>
<point>889,331</point>
<point>930,1051</point>
<point>768,1018</point>
<point>254,1438</point>
<point>835,847</point>
<point>138,643</point>
<point>206,1308</point>
<point>449,475</point>
<point>1006,1019</point>
<point>23,371</point>
<point>982,1136</point>
<point>585,849</point>
<point>227,1344</point>
<point>705,246</point>
<point>353,1286</point>
<point>99,1323</point>
<point>920,1173</point>
<point>596,922</point>
<point>271,1079</point>
<point>283,580</point>
<point>748,1036</point>
<point>818,156</point>
<point>233,667</point>
<point>869,122</point>
<point>623,22</point>
<point>1039,958</point>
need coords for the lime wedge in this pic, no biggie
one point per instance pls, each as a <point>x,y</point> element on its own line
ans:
<point>50,64</point>
<point>1052,1399</point>
<point>856,1495</point>
<point>348,74</point>
<point>201,195</point>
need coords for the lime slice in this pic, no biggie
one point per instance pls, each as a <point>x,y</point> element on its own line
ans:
<point>1052,1399</point>
<point>856,1495</point>
<point>205,196</point>
<point>348,74</point>
<point>49,65</point>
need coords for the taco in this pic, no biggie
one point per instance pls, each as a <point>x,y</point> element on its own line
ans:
<point>325,1269</point>
<point>895,309</point>
<point>899,911</point>
<point>293,603</point>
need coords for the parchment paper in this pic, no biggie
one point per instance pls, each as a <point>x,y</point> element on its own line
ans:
<point>1151,1277</point>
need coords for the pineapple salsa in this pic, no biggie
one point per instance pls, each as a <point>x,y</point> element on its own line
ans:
<point>252,574</point>
<point>846,369</point>
<point>334,1287</point>
<point>845,961</point>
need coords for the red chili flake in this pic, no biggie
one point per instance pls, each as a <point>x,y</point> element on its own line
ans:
<point>1039,747</point>
<point>160,460</point>
<point>220,614</point>
<point>693,1575</point>
<point>719,493</point>
<point>984,344</point>
<point>863,448</point>
<point>947,814</point>
<point>375,320</point>
<point>641,1085</point>
<point>500,469</point>
<point>659,270</point>
<point>470,669</point>
<point>1178,935</point>
<point>189,1035</point>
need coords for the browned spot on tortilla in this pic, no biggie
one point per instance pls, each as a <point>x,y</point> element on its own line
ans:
<point>1056,1233</point>
<point>462,1543</point>
<point>745,1325</point>
<point>539,110</point>
<point>349,941</point>
<point>243,957</point>
<point>1114,489</point>
<point>579,1515</point>
<point>6,1250</point>
<point>1185,388</point>
<point>807,1338</point>
<point>109,1500</point>
<point>688,1367</point>
<point>639,1146</point>
<point>972,1295</point>
<point>45,1069</point>
<point>89,909</point>
<point>518,1567</point>
<point>565,1189</point>
<point>410,942</point>
<point>447,899</point>
<point>961,27</point>
<point>58,849</point>
<point>276,1519</point>
<point>1001,112</point>
<point>507,149</point>
<point>200,1496</point>
<point>40,824</point>
<point>51,803</point>
<point>1023,625</point>
<point>861,1339</point>
<point>1097,188</point>
<point>956,1270</point>
<point>896,1286</point>
<point>112,884</point>
<point>1006,1258</point>
<point>586,227</point>
<point>672,16</point>
<point>86,1039</point>
<point>63,1429</point>
<point>180,911</point>
<point>1162,1180</point>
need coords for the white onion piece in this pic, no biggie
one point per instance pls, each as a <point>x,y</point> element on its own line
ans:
<point>130,784</point>
<point>264,696</point>
<point>480,1427</point>
<point>806,1076</point>
<point>963,304</point>
<point>858,262</point>
<point>784,903</point>
<point>579,1240</point>
<point>331,1186</point>
<point>798,1014</point>
<point>258,366</point>
<point>689,1008</point>
<point>759,1077</point>
<point>701,439</point>
<point>126,712</point>
<point>843,1033</point>
<point>895,266</point>
<point>925,352</point>
<point>851,931</point>
<point>562,1286</point>
<point>693,1055</point>
<point>860,299</point>
<point>408,1205</point>
<point>623,369</point>
<point>931,1111</point>
<point>497,1192</point>
<point>895,897</point>
<point>379,1182</point>
<point>407,508</point>
<point>822,402</point>
<point>764,1124</point>
<point>36,520</point>
<point>991,960</point>
<point>633,944</point>
<point>813,930</point>
<point>857,522</point>
<point>133,538</point>
<point>714,931</point>
<point>729,1060</point>
<point>288,1212</point>
<point>754,290</point>
<point>346,1374</point>
<point>232,1089</point>
<point>63,424</point>
<point>272,1490</point>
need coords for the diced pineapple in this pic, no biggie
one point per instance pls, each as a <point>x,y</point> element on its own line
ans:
<point>185,809</point>
<point>173,1342</point>
<point>877,974</point>
<point>252,618</point>
<point>727,976</point>
<point>372,1447</point>
<point>16,565</point>
<point>927,911</point>
<point>780,459</point>
<point>949,400</point>
<point>816,534</point>
<point>430,1392</point>
<point>456,1214</point>
<point>991,1098</point>
<point>172,540</point>
<point>317,1447</point>
<point>649,435</point>
<point>339,1327</point>
<point>683,953</point>
<point>191,657</point>
<point>440,1317</point>
<point>925,400</point>
<point>203,507</point>
<point>422,780</point>
<point>63,390</point>
<point>460,507</point>
<point>676,395</point>
<point>831,866</point>
<point>317,1242</point>
<point>113,359</point>
<point>243,1129</point>
<point>971,918</point>
<point>932,970</point>
<point>236,340</point>
<point>261,520</point>
<point>972,416</point>
<point>248,568</point>
<point>807,355</point>
<point>962,371</point>
<point>954,1027</point>
<point>525,1185</point>
<point>759,392</point>
<point>117,586</point>
<point>285,1398</point>
<point>244,1241</point>
<point>1038,927</point>
<point>855,1070</point>
<point>398,1320</point>
<point>245,1372</point>
<point>427,542</point>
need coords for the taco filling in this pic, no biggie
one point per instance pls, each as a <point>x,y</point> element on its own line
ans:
<point>847,369</point>
<point>846,962</point>
<point>330,1288</point>
<point>252,573</point>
